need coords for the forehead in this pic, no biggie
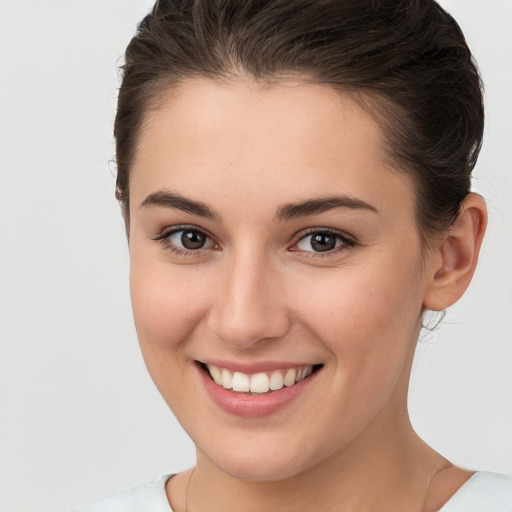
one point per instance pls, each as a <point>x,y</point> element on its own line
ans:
<point>279,141</point>
<point>301,112</point>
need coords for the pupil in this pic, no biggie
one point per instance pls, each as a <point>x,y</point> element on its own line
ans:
<point>321,242</point>
<point>192,240</point>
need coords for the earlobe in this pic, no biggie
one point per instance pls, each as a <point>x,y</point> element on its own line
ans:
<point>457,255</point>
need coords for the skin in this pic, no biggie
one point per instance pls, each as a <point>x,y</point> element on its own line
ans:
<point>259,292</point>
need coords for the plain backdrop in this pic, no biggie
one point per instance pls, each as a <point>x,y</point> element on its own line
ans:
<point>79,415</point>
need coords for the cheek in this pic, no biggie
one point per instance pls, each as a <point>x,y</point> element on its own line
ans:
<point>167,307</point>
<point>369,324</point>
<point>167,302</point>
<point>362,303</point>
<point>368,317</point>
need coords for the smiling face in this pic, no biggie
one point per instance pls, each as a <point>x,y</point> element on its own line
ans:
<point>269,237</point>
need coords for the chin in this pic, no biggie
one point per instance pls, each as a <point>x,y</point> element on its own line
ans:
<point>259,471</point>
<point>257,464</point>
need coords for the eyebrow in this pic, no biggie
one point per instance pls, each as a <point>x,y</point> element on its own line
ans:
<point>288,211</point>
<point>316,206</point>
<point>171,200</point>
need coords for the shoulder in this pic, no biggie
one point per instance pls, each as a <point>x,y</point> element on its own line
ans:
<point>483,492</point>
<point>148,496</point>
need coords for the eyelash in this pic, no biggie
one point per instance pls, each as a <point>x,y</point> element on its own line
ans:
<point>346,241</point>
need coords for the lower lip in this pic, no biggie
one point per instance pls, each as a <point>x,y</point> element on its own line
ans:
<point>253,406</point>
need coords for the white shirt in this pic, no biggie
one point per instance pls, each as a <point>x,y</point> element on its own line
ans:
<point>483,492</point>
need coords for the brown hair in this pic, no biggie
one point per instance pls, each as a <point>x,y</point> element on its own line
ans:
<point>406,60</point>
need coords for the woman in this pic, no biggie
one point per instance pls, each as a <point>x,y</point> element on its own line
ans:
<point>295,182</point>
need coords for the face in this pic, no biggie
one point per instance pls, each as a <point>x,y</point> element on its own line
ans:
<point>272,243</point>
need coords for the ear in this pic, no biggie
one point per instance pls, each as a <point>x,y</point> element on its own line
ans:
<point>453,260</point>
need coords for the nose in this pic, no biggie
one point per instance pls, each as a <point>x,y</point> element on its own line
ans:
<point>249,306</point>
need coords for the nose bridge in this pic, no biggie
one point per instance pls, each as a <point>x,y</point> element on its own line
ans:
<point>249,306</point>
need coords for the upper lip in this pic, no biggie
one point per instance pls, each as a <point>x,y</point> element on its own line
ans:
<point>255,367</point>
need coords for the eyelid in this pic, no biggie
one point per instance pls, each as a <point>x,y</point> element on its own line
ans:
<point>331,231</point>
<point>169,230</point>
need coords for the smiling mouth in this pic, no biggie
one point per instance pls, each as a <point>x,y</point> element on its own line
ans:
<point>258,383</point>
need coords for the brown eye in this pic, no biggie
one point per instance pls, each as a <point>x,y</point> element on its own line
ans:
<point>323,241</point>
<point>193,240</point>
<point>188,239</point>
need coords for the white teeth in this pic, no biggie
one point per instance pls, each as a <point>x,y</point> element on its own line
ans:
<point>276,380</point>
<point>259,382</point>
<point>227,379</point>
<point>289,378</point>
<point>216,374</point>
<point>240,382</point>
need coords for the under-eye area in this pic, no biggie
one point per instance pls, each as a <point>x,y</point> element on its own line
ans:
<point>261,382</point>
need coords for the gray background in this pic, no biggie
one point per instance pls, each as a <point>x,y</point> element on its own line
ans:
<point>79,417</point>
